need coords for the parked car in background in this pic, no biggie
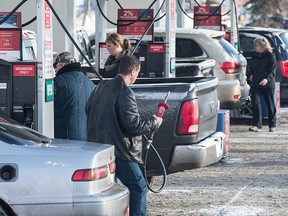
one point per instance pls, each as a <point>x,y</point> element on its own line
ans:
<point>278,39</point>
<point>230,68</point>
<point>43,176</point>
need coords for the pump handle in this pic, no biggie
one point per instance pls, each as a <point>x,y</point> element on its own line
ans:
<point>163,106</point>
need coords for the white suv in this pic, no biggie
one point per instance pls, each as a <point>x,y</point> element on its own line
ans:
<point>230,68</point>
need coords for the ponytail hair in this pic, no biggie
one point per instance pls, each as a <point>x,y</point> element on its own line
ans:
<point>126,45</point>
<point>117,39</point>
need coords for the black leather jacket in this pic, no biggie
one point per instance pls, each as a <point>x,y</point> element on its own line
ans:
<point>113,118</point>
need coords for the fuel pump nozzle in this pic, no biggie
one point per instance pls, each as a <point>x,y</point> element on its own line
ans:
<point>163,106</point>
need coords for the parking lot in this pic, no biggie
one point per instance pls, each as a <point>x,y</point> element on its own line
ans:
<point>253,182</point>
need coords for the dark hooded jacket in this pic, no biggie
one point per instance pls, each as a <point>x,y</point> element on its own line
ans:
<point>263,65</point>
<point>72,90</point>
<point>113,118</point>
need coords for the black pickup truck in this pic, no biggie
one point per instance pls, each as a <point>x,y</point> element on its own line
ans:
<point>187,138</point>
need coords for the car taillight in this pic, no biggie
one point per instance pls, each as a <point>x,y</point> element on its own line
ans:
<point>227,36</point>
<point>112,167</point>
<point>284,68</point>
<point>90,174</point>
<point>189,118</point>
<point>236,97</point>
<point>230,67</point>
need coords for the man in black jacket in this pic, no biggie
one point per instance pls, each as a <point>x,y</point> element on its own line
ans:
<point>72,90</point>
<point>113,118</point>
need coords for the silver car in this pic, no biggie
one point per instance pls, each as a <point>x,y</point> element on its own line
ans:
<point>42,176</point>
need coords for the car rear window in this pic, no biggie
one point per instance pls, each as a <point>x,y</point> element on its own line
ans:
<point>17,135</point>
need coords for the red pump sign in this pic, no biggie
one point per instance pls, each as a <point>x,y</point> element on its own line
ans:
<point>132,23</point>
<point>10,37</point>
<point>208,17</point>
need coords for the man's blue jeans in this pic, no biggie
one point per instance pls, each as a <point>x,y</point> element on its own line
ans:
<point>132,177</point>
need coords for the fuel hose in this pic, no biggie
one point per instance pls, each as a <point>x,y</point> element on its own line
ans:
<point>150,141</point>
<point>162,107</point>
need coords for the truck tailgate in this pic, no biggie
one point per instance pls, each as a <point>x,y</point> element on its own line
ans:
<point>148,96</point>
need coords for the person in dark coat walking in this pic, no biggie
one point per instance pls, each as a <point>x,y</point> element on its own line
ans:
<point>72,90</point>
<point>262,77</point>
<point>117,47</point>
<point>113,118</point>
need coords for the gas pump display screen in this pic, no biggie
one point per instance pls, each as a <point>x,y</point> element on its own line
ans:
<point>11,20</point>
<point>14,19</point>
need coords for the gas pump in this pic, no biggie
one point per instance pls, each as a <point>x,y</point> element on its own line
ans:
<point>18,77</point>
<point>152,57</point>
<point>26,82</point>
<point>5,88</point>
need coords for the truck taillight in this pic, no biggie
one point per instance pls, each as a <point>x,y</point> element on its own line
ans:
<point>284,68</point>
<point>90,174</point>
<point>189,118</point>
<point>230,67</point>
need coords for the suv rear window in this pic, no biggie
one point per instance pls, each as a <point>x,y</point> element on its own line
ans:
<point>187,48</point>
<point>246,42</point>
<point>284,37</point>
<point>276,41</point>
<point>228,47</point>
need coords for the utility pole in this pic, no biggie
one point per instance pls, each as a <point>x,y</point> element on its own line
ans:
<point>170,39</point>
<point>100,29</point>
<point>234,32</point>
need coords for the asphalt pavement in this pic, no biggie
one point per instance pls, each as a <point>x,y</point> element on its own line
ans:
<point>254,182</point>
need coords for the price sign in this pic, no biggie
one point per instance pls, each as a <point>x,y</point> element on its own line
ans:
<point>208,17</point>
<point>134,22</point>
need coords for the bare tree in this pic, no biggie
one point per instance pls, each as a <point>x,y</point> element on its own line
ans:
<point>265,13</point>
